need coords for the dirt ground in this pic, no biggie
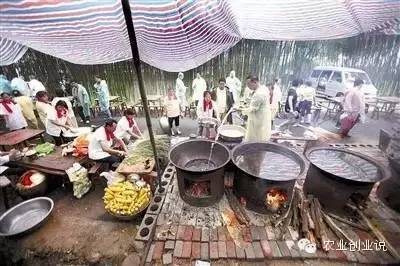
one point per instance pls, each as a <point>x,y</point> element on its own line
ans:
<point>79,231</point>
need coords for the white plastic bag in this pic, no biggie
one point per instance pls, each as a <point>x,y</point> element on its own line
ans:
<point>112,177</point>
<point>78,175</point>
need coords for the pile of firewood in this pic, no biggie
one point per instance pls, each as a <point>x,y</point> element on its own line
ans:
<point>306,216</point>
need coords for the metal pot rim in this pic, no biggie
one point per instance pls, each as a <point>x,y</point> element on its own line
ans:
<point>302,164</point>
<point>385,173</point>
<point>23,203</point>
<point>200,140</point>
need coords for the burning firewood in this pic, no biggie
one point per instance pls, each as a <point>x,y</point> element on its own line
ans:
<point>275,199</point>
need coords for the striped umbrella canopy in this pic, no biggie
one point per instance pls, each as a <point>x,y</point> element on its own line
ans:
<point>182,34</point>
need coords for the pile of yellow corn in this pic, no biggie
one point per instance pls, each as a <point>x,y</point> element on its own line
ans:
<point>126,198</point>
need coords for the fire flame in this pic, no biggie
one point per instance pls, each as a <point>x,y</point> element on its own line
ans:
<point>275,199</point>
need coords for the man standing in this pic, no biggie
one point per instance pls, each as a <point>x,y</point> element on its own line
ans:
<point>5,85</point>
<point>234,85</point>
<point>259,112</point>
<point>224,100</point>
<point>180,91</point>
<point>35,85</point>
<point>306,95</point>
<point>199,86</point>
<point>103,95</point>
<point>19,84</point>
<point>353,107</point>
<point>82,101</point>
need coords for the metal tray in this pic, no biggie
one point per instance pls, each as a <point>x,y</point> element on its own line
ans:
<point>26,216</point>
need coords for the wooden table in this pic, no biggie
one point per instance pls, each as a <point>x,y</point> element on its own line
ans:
<point>385,104</point>
<point>112,99</point>
<point>18,137</point>
<point>54,163</point>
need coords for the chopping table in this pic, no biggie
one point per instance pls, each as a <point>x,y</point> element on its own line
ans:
<point>54,163</point>
<point>18,137</point>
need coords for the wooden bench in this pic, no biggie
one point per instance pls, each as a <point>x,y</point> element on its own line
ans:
<point>97,168</point>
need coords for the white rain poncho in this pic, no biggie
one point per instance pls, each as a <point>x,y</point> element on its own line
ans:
<point>103,95</point>
<point>234,85</point>
<point>199,86</point>
<point>180,91</point>
<point>259,116</point>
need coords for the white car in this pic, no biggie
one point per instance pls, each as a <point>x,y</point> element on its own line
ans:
<point>334,81</point>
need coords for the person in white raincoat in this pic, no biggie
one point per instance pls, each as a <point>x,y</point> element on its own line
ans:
<point>234,85</point>
<point>259,112</point>
<point>180,91</point>
<point>103,95</point>
<point>199,85</point>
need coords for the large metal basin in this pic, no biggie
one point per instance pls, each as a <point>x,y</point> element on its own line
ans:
<point>26,216</point>
<point>186,155</point>
<point>253,186</point>
<point>337,175</point>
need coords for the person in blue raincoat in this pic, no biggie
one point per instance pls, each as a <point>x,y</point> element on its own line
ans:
<point>5,84</point>
<point>103,95</point>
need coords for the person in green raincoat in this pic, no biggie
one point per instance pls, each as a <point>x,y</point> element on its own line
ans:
<point>82,101</point>
<point>258,112</point>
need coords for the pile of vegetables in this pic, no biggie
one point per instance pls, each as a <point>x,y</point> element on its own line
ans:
<point>142,151</point>
<point>44,149</point>
<point>81,144</point>
<point>126,198</point>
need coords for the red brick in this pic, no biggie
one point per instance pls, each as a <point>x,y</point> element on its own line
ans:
<point>161,232</point>
<point>293,248</point>
<point>254,233</point>
<point>181,232</point>
<point>266,248</point>
<point>222,249</point>
<point>188,233</point>
<point>169,245</point>
<point>246,234</point>
<point>187,249</point>
<point>228,235</point>
<point>270,233</point>
<point>214,234</point>
<point>150,254</point>
<point>284,249</point>
<point>230,249</point>
<point>262,232</point>
<point>204,254</point>
<point>173,230</point>
<point>276,253</point>
<point>221,233</point>
<point>213,250</point>
<point>158,250</point>
<point>240,254</point>
<point>196,250</point>
<point>196,234</point>
<point>258,253</point>
<point>205,234</point>
<point>178,249</point>
<point>249,252</point>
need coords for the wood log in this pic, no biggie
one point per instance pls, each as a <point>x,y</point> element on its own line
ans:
<point>343,220</point>
<point>335,228</point>
<point>295,219</point>
<point>322,229</point>
<point>285,216</point>
<point>237,208</point>
<point>377,233</point>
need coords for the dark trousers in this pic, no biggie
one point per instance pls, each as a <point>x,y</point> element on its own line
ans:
<point>171,121</point>
<point>60,140</point>
<point>110,159</point>
<point>305,107</point>
<point>82,114</point>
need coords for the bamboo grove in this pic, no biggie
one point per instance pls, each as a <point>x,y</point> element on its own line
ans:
<point>377,54</point>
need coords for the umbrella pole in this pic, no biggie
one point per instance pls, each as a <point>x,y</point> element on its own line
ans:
<point>136,63</point>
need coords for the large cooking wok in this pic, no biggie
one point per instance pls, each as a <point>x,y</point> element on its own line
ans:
<point>232,133</point>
